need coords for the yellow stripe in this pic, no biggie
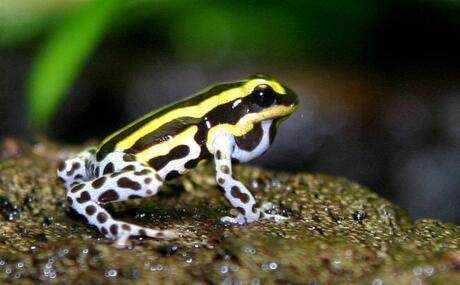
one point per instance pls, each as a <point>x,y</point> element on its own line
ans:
<point>164,147</point>
<point>196,111</point>
<point>246,123</point>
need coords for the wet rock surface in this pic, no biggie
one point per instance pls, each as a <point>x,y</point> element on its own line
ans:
<point>338,233</point>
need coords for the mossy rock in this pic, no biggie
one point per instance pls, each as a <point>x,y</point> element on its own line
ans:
<point>338,232</point>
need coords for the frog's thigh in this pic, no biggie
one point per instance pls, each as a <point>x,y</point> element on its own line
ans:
<point>235,191</point>
<point>86,198</point>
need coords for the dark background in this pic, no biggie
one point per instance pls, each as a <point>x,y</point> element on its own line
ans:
<point>378,82</point>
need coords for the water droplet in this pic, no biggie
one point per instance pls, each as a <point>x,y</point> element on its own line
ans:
<point>223,269</point>
<point>111,273</point>
<point>20,264</point>
<point>359,215</point>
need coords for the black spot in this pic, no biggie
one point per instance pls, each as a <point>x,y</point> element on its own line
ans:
<point>96,171</point>
<point>75,166</point>
<point>126,227</point>
<point>77,188</point>
<point>272,131</point>
<point>61,166</point>
<point>125,182</point>
<point>158,177</point>
<point>102,217</point>
<point>129,168</point>
<point>104,231</point>
<point>241,210</point>
<point>191,163</point>
<point>69,201</point>
<point>178,152</point>
<point>219,155</point>
<point>108,168</point>
<point>236,192</point>
<point>98,182</point>
<point>90,210</point>
<point>147,180</point>
<point>142,172</point>
<point>116,174</point>
<point>225,169</point>
<point>108,196</point>
<point>114,229</point>
<point>84,197</point>
<point>134,196</point>
<point>221,181</point>
<point>172,174</point>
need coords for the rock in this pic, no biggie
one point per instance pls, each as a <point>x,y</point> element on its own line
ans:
<point>338,233</point>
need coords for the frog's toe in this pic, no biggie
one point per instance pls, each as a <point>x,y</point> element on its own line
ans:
<point>273,217</point>
<point>239,219</point>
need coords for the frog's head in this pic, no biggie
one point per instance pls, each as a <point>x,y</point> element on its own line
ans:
<point>251,110</point>
<point>268,99</point>
<point>239,105</point>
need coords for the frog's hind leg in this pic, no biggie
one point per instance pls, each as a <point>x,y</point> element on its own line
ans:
<point>129,181</point>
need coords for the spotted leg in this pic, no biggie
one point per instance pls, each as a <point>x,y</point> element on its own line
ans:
<point>235,191</point>
<point>86,198</point>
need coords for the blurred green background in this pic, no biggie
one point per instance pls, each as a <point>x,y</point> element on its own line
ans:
<point>378,80</point>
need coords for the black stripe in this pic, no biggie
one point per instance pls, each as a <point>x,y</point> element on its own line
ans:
<point>178,152</point>
<point>163,133</point>
<point>272,131</point>
<point>109,146</point>
<point>252,139</point>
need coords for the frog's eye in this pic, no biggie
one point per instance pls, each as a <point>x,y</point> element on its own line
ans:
<point>263,95</point>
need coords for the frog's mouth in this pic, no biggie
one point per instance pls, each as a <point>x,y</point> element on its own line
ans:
<point>278,111</point>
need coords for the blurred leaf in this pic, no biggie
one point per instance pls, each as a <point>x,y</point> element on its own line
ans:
<point>25,20</point>
<point>62,56</point>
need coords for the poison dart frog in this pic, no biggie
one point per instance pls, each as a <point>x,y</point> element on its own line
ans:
<point>231,121</point>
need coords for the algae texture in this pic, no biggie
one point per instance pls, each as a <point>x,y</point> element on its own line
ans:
<point>338,232</point>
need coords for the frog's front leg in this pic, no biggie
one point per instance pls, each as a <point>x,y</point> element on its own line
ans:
<point>235,191</point>
<point>131,180</point>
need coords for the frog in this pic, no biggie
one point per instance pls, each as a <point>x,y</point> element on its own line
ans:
<point>230,122</point>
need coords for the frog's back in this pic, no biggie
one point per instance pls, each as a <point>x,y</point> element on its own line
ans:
<point>154,134</point>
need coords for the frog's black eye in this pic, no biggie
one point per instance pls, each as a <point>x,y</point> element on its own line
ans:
<point>263,95</point>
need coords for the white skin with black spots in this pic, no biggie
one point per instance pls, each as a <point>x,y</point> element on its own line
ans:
<point>120,177</point>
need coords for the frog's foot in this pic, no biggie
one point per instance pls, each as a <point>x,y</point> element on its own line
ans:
<point>266,207</point>
<point>273,217</point>
<point>242,219</point>
<point>131,230</point>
